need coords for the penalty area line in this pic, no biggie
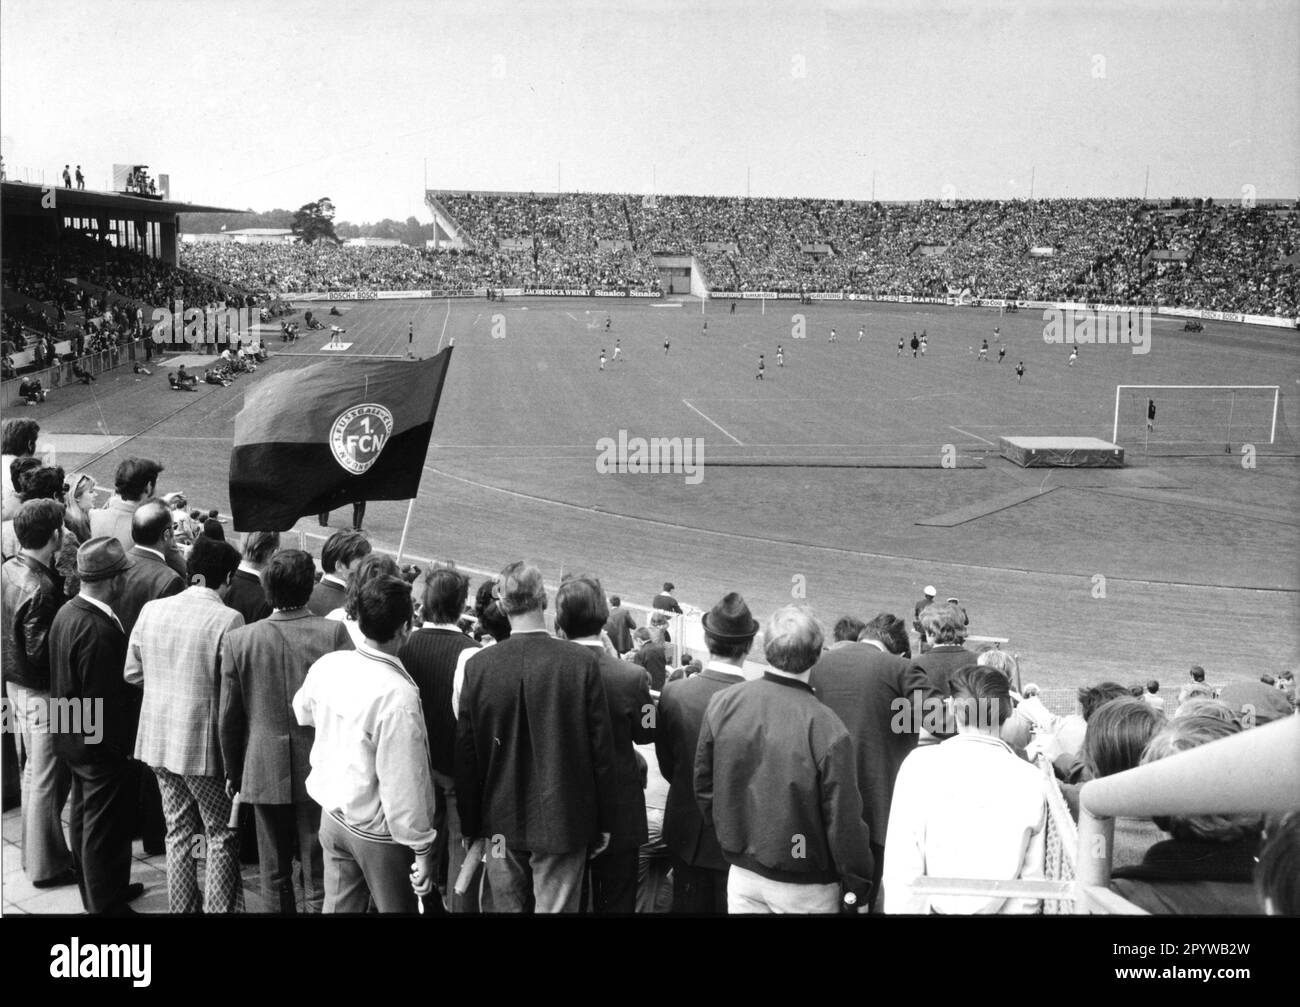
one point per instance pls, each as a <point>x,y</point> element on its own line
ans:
<point>693,409</point>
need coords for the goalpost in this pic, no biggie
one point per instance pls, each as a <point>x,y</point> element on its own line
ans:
<point>1197,414</point>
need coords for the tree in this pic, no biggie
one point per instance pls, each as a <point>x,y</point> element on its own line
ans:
<point>413,233</point>
<point>315,221</point>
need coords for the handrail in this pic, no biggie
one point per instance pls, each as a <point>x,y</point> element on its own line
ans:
<point>1257,770</point>
<point>1224,777</point>
<point>1014,889</point>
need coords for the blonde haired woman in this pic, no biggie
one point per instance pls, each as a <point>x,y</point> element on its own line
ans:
<point>79,501</point>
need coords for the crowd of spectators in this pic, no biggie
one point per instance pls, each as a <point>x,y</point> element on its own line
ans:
<point>94,297</point>
<point>1093,249</point>
<point>1192,254</point>
<point>108,272</point>
<point>384,730</point>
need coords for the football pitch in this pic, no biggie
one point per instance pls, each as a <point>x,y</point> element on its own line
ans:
<point>848,478</point>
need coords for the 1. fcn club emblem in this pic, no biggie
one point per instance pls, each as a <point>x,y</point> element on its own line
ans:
<point>359,435</point>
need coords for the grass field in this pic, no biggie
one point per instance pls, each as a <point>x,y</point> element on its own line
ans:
<point>1126,574</point>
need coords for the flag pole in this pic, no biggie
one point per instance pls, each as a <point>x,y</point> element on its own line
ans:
<point>406,525</point>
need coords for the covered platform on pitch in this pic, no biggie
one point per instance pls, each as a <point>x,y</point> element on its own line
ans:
<point>1061,452</point>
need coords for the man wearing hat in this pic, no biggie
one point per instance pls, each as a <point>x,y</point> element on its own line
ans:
<point>664,599</point>
<point>699,868</point>
<point>87,654</point>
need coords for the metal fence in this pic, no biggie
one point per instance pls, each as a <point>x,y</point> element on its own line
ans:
<point>60,375</point>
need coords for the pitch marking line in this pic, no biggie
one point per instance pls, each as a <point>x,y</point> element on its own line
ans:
<point>693,409</point>
<point>976,436</point>
<point>835,550</point>
<point>445,319</point>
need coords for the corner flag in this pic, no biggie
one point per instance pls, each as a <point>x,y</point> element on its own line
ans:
<point>313,439</point>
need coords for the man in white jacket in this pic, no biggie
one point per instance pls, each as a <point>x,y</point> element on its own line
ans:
<point>370,762</point>
<point>966,808</point>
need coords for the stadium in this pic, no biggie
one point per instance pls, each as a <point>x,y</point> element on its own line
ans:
<point>1067,415</point>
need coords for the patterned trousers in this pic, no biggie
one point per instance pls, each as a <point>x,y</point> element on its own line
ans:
<point>197,810</point>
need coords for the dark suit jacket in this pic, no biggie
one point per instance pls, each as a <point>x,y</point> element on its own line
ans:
<point>326,596</point>
<point>148,579</point>
<point>87,655</point>
<point>245,595</point>
<point>620,626</point>
<point>938,664</point>
<point>651,657</point>
<point>265,751</point>
<point>666,602</point>
<point>534,746</point>
<point>875,693</point>
<point>677,735</point>
<point>632,716</point>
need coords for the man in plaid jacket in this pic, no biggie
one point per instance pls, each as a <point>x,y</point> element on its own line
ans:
<point>175,654</point>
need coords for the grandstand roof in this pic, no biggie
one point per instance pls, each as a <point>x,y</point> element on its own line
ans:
<point>20,194</point>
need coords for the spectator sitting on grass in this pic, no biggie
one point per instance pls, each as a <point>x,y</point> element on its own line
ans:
<point>31,391</point>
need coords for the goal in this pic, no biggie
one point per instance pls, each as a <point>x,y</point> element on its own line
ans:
<point>1196,417</point>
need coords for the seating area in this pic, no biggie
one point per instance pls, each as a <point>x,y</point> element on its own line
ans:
<point>1232,257</point>
<point>79,299</point>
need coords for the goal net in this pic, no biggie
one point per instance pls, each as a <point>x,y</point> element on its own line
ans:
<point>1197,417</point>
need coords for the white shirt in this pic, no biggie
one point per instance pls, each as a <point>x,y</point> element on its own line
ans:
<point>749,672</point>
<point>965,808</point>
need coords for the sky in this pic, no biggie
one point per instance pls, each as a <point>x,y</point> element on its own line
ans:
<point>259,104</point>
